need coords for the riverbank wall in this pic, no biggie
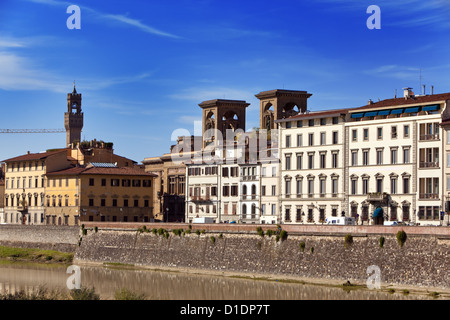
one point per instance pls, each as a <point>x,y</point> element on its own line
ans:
<point>308,252</point>
<point>59,238</point>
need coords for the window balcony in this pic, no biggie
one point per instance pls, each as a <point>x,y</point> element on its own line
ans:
<point>429,137</point>
<point>428,196</point>
<point>377,196</point>
<point>433,164</point>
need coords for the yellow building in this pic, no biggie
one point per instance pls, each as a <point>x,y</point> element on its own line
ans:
<point>25,185</point>
<point>99,192</point>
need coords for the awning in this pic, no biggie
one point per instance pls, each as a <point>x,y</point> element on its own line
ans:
<point>397,111</point>
<point>412,110</point>
<point>378,212</point>
<point>431,108</point>
<point>384,112</point>
<point>371,114</point>
<point>357,115</point>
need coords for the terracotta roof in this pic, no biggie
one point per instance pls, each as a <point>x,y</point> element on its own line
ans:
<point>121,171</point>
<point>315,114</point>
<point>68,171</point>
<point>402,101</point>
<point>35,156</point>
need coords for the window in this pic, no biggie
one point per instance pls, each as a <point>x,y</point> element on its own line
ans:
<point>299,161</point>
<point>379,133</point>
<point>393,156</point>
<point>310,187</point>
<point>299,123</point>
<point>274,209</point>
<point>335,137</point>
<point>323,121</point>
<point>335,120</point>
<point>334,186</point>
<point>334,160</point>
<point>310,161</point>
<point>394,185</point>
<point>136,203</point>
<point>288,162</point>
<point>379,156</point>
<point>311,122</point>
<point>126,183</point>
<point>91,202</point>
<point>365,157</point>
<point>103,202</point>
<point>394,132</point>
<point>406,131</point>
<point>288,125</point>
<point>274,190</point>
<point>322,187</point>
<point>354,186</point>
<point>322,160</point>
<point>115,182</point>
<point>322,138</point>
<point>311,139</point>
<point>405,185</point>
<point>379,185</point>
<point>365,186</point>
<point>366,134</point>
<point>263,190</point>
<point>147,183</point>
<point>299,140</point>
<point>354,158</point>
<point>354,135</point>
<point>91,182</point>
<point>288,187</point>
<point>299,187</point>
<point>125,202</point>
<point>288,141</point>
<point>114,202</point>
<point>406,155</point>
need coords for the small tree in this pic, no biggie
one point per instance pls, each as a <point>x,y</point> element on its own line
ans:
<point>401,237</point>
<point>348,240</point>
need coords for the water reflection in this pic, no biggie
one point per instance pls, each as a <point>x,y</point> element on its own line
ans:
<point>179,286</point>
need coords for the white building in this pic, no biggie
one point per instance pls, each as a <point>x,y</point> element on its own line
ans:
<point>383,161</point>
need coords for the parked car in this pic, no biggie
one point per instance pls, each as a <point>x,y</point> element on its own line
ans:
<point>340,221</point>
<point>390,223</point>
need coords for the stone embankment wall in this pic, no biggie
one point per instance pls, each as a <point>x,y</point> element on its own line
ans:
<point>59,238</point>
<point>316,253</point>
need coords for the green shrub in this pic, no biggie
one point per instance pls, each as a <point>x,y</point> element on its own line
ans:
<point>84,294</point>
<point>213,239</point>
<point>381,241</point>
<point>401,237</point>
<point>260,231</point>
<point>270,232</point>
<point>348,240</point>
<point>197,232</point>
<point>96,229</point>
<point>283,235</point>
<point>125,294</point>
<point>302,246</point>
<point>312,249</point>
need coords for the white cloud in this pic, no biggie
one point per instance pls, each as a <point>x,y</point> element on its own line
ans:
<point>122,19</point>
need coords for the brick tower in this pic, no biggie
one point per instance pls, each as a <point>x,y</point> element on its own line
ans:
<point>73,118</point>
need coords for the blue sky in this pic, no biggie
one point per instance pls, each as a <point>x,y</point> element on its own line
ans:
<point>144,66</point>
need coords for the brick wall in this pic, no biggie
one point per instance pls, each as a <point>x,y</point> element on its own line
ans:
<point>422,261</point>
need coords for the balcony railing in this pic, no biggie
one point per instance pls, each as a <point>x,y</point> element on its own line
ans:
<point>428,137</point>
<point>248,197</point>
<point>201,198</point>
<point>428,196</point>
<point>249,178</point>
<point>433,164</point>
<point>377,196</point>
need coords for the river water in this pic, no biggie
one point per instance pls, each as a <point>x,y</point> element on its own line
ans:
<point>163,285</point>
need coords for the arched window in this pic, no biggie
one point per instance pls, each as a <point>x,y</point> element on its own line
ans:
<point>244,210</point>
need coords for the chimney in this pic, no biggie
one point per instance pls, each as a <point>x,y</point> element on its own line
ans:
<point>407,93</point>
<point>423,86</point>
<point>432,90</point>
<point>395,94</point>
<point>370,102</point>
<point>28,152</point>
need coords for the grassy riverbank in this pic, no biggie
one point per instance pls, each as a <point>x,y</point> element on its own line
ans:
<point>35,255</point>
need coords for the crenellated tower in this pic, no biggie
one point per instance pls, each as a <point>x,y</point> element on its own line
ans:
<point>73,118</point>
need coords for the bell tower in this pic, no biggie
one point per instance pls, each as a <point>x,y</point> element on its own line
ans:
<point>73,118</point>
<point>280,104</point>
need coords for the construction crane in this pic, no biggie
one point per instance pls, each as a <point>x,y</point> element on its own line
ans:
<point>32,130</point>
